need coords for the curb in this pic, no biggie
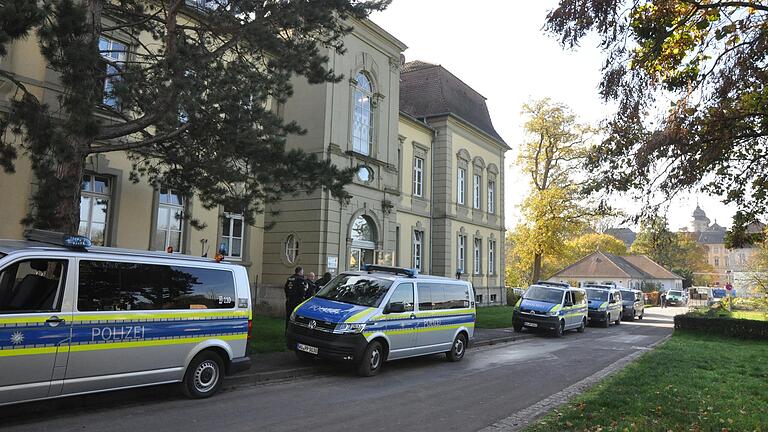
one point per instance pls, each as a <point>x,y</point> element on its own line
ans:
<point>526,416</point>
<point>255,378</point>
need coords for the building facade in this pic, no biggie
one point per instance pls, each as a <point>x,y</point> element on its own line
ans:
<point>409,206</point>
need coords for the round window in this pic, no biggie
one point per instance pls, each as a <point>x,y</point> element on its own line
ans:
<point>364,174</point>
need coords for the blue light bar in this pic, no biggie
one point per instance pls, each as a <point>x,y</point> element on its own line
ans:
<point>77,242</point>
<point>396,270</point>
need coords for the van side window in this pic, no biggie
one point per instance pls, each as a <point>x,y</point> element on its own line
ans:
<point>119,286</point>
<point>568,298</point>
<point>403,295</point>
<point>578,297</point>
<point>443,296</point>
<point>32,286</point>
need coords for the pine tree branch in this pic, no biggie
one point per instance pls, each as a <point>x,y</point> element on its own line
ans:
<point>106,148</point>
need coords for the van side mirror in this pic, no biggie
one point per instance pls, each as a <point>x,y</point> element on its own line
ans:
<point>394,308</point>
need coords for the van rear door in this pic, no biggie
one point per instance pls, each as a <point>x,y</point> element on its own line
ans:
<point>34,327</point>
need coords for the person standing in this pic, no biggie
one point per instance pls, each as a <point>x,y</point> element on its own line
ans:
<point>295,292</point>
<point>663,299</point>
<point>311,285</point>
<point>323,281</point>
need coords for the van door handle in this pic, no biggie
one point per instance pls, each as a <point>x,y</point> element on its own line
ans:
<point>54,321</point>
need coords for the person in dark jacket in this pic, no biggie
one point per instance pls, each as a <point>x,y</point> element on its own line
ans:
<point>295,292</point>
<point>311,285</point>
<point>323,281</point>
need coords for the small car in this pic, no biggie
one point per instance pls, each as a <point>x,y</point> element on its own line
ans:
<point>553,306</point>
<point>676,298</point>
<point>605,304</point>
<point>633,305</point>
<point>366,318</point>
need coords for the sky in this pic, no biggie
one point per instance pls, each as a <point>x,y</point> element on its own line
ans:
<point>498,48</point>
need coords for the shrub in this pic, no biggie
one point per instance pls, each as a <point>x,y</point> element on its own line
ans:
<point>710,323</point>
<point>512,298</point>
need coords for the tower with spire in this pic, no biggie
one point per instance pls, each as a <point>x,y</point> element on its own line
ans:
<point>700,222</point>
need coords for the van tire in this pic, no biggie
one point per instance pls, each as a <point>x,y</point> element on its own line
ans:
<point>560,330</point>
<point>517,328</point>
<point>582,326</point>
<point>458,348</point>
<point>641,315</point>
<point>607,322</point>
<point>618,321</point>
<point>373,358</point>
<point>204,376</point>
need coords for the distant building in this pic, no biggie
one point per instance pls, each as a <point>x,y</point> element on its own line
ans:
<point>726,263</point>
<point>634,271</point>
<point>624,234</point>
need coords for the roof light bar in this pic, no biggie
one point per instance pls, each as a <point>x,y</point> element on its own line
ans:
<point>396,270</point>
<point>557,284</point>
<point>60,239</point>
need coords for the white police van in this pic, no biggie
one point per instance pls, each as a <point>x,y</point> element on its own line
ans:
<point>78,319</point>
<point>384,313</point>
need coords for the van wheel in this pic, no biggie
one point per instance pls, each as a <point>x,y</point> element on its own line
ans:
<point>618,321</point>
<point>582,326</point>
<point>641,315</point>
<point>204,376</point>
<point>560,329</point>
<point>607,321</point>
<point>458,348</point>
<point>373,357</point>
<point>517,328</point>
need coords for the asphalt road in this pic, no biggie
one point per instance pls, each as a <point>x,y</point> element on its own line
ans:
<point>425,394</point>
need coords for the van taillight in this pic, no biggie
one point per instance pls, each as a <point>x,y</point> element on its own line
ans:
<point>250,328</point>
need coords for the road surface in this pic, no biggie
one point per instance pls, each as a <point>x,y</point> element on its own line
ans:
<point>425,394</point>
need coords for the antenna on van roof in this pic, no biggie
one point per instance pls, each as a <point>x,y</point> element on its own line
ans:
<point>70,241</point>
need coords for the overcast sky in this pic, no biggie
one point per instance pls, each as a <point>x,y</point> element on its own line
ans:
<point>497,47</point>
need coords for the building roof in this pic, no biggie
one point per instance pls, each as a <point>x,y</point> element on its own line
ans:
<point>650,267</point>
<point>429,90</point>
<point>712,237</point>
<point>624,234</point>
<point>699,213</point>
<point>603,265</point>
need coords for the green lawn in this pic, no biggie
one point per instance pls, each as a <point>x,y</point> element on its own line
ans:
<point>693,382</point>
<point>750,315</point>
<point>722,312</point>
<point>494,317</point>
<point>268,334</point>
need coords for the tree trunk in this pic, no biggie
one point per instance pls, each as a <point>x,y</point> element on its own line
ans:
<point>536,268</point>
<point>69,175</point>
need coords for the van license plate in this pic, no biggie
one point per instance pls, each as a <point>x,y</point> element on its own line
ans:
<point>531,324</point>
<point>306,348</point>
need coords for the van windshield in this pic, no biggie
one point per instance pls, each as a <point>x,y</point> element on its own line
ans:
<point>628,295</point>
<point>675,293</point>
<point>597,294</point>
<point>356,289</point>
<point>547,295</point>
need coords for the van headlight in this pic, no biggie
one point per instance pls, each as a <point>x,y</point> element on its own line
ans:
<point>603,307</point>
<point>347,328</point>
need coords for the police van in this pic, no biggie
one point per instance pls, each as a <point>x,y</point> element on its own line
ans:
<point>552,306</point>
<point>384,313</point>
<point>78,319</point>
<point>605,305</point>
<point>633,304</point>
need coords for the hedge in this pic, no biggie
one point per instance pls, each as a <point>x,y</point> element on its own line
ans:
<point>741,328</point>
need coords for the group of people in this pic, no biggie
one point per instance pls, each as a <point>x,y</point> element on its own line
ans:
<point>299,288</point>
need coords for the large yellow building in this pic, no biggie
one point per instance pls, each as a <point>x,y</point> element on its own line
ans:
<point>411,205</point>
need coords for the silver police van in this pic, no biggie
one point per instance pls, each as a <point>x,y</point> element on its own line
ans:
<point>78,319</point>
<point>384,313</point>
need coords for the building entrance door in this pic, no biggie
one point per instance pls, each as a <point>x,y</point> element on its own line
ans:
<point>362,252</point>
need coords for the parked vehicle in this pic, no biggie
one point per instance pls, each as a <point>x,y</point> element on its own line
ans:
<point>676,298</point>
<point>552,306</point>
<point>384,313</point>
<point>633,304</point>
<point>78,319</point>
<point>605,304</point>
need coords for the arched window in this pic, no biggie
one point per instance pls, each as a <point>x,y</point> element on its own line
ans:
<point>362,118</point>
<point>291,248</point>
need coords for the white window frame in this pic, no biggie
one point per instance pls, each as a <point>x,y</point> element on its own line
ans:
<point>361,108</point>
<point>462,186</point>
<point>491,196</point>
<point>477,261</point>
<point>292,249</point>
<point>112,56</point>
<point>418,176</point>
<point>476,189</point>
<point>231,236</point>
<point>92,195</point>
<point>491,257</point>
<point>172,208</point>
<point>418,250</point>
<point>462,253</point>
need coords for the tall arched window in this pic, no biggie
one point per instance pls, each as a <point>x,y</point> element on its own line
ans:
<point>362,118</point>
<point>291,248</point>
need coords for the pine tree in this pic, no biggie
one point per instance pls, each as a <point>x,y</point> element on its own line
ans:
<point>186,95</point>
